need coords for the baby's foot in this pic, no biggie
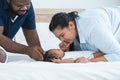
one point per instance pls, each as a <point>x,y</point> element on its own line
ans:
<point>3,56</point>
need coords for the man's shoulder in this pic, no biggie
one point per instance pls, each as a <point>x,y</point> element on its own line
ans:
<point>3,4</point>
<point>1,1</point>
<point>31,10</point>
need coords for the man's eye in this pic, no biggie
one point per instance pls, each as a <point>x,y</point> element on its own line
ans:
<point>19,5</point>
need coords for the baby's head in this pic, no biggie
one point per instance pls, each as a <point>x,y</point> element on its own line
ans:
<point>53,54</point>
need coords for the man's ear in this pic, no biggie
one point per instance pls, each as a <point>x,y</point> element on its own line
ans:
<point>71,25</point>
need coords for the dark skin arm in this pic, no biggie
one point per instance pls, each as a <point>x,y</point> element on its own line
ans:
<point>15,47</point>
<point>33,41</point>
<point>31,37</point>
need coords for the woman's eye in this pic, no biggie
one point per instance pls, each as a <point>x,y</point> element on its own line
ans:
<point>62,35</point>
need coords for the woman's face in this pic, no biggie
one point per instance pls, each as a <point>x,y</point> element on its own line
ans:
<point>67,34</point>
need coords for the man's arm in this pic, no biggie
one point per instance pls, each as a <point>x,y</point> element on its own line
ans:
<point>10,45</point>
<point>33,40</point>
<point>15,47</point>
<point>32,37</point>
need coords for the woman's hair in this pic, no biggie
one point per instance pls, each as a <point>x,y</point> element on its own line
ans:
<point>62,19</point>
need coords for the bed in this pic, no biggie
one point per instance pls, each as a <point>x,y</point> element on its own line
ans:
<point>22,67</point>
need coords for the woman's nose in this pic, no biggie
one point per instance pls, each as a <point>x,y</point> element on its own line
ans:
<point>62,39</point>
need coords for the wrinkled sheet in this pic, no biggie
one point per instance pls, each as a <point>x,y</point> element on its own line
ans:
<point>21,67</point>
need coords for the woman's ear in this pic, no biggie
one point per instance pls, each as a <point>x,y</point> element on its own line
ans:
<point>71,25</point>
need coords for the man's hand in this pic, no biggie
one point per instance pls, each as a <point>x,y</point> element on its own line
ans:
<point>64,46</point>
<point>2,56</point>
<point>36,53</point>
<point>82,60</point>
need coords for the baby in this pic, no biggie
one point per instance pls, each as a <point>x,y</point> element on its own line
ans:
<point>58,56</point>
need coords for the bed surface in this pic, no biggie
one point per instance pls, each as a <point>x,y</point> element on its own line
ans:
<point>51,71</point>
<point>21,67</point>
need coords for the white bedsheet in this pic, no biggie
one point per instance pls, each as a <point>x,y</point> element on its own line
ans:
<point>21,67</point>
<point>51,71</point>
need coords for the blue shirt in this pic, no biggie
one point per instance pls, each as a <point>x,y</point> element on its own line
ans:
<point>99,30</point>
<point>26,21</point>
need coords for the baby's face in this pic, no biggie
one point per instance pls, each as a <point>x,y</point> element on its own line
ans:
<point>57,52</point>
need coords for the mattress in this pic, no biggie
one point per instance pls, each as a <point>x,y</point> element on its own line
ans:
<point>22,67</point>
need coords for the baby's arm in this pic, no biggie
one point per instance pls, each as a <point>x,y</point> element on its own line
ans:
<point>85,60</point>
<point>67,60</point>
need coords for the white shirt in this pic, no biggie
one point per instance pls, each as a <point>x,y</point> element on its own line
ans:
<point>99,30</point>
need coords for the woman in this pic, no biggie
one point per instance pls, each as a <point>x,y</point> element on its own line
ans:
<point>96,30</point>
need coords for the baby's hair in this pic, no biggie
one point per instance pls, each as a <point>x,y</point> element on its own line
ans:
<point>48,56</point>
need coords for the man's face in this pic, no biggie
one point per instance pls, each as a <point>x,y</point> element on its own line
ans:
<point>19,7</point>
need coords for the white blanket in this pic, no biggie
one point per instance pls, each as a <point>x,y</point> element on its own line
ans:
<point>21,67</point>
<point>51,71</point>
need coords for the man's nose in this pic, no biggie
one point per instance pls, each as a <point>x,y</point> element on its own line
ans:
<point>24,7</point>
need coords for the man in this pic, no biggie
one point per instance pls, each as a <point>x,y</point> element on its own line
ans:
<point>13,15</point>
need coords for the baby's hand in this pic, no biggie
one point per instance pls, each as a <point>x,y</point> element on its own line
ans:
<point>81,60</point>
<point>57,60</point>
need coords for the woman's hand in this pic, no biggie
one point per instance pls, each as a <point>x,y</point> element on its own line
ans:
<point>64,46</point>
